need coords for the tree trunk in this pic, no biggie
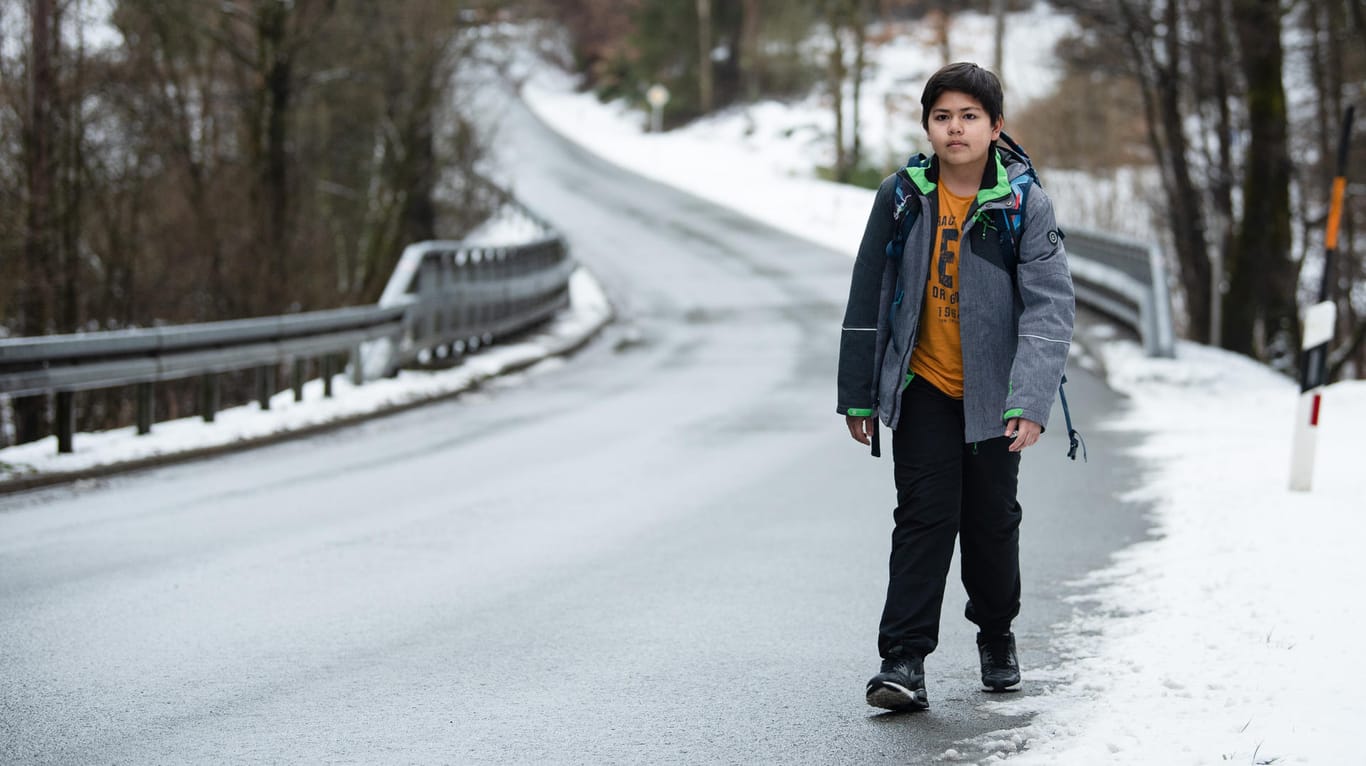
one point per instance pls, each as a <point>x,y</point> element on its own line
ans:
<point>998,9</point>
<point>274,64</point>
<point>1160,84</point>
<point>37,285</point>
<point>836,77</point>
<point>704,73</point>
<point>1260,313</point>
<point>1358,8</point>
<point>942,22</point>
<point>71,167</point>
<point>750,61</point>
<point>1221,184</point>
<point>859,24</point>
<point>36,301</point>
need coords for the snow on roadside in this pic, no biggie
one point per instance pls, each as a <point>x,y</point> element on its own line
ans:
<point>508,226</point>
<point>589,311</point>
<point>1227,636</point>
<point>712,161</point>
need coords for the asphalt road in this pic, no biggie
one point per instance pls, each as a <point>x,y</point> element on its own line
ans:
<point>666,550</point>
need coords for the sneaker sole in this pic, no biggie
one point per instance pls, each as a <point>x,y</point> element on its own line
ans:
<point>890,696</point>
<point>1010,687</point>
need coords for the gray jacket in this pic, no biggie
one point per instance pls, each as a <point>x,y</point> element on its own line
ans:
<point>1016,327</point>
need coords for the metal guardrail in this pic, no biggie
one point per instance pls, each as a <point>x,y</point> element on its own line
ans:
<point>463,297</point>
<point>1126,281</point>
<point>443,299</point>
<point>107,359</point>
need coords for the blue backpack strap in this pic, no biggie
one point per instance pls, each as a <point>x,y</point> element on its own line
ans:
<point>1014,216</point>
<point>1073,436</point>
<point>905,208</point>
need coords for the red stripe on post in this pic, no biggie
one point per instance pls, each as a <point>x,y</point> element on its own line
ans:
<point>1314,413</point>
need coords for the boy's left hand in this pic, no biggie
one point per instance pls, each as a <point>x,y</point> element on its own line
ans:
<point>861,429</point>
<point>1025,431</point>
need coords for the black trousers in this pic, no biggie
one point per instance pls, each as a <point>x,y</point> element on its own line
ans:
<point>945,488</point>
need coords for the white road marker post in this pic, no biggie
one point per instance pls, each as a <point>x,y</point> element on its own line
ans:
<point>1318,333</point>
<point>658,96</point>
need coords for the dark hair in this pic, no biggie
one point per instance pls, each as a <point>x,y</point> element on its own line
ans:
<point>963,77</point>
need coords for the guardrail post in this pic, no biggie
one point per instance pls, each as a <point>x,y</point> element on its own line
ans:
<point>66,422</point>
<point>329,369</point>
<point>265,385</point>
<point>300,369</point>
<point>209,398</point>
<point>144,409</point>
<point>357,366</point>
<point>1162,304</point>
<point>392,366</point>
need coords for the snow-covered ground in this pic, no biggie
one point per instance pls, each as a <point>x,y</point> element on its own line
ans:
<point>1225,638</point>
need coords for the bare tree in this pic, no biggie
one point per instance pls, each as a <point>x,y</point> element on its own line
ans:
<point>704,65</point>
<point>835,16</point>
<point>1260,314</point>
<point>846,22</point>
<point>235,160</point>
<point>1143,41</point>
<point>51,138</point>
<point>751,61</point>
<point>998,10</point>
<point>858,23</point>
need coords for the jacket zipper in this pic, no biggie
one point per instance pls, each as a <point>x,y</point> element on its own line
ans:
<point>915,336</point>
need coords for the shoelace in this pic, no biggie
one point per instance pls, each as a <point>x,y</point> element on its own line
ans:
<point>997,653</point>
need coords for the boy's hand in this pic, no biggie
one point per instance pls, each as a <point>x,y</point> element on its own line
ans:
<point>1025,432</point>
<point>860,428</point>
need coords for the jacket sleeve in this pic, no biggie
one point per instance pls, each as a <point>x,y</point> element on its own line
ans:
<point>1049,309</point>
<point>858,336</point>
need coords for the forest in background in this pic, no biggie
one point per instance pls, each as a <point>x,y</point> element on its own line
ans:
<point>169,161</point>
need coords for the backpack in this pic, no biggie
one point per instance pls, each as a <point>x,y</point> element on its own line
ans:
<point>1007,224</point>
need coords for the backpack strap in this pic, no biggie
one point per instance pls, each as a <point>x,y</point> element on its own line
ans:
<point>1013,217</point>
<point>905,209</point>
<point>1012,230</point>
<point>1073,435</point>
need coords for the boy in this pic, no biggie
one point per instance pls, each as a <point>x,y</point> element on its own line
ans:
<point>957,342</point>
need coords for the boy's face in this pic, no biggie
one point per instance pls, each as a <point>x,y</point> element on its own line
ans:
<point>960,130</point>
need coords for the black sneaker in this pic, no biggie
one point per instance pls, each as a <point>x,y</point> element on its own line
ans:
<point>900,685</point>
<point>1000,666</point>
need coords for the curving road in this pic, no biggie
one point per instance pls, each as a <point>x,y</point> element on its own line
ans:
<point>666,550</point>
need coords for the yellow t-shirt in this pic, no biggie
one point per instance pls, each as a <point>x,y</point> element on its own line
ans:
<point>938,355</point>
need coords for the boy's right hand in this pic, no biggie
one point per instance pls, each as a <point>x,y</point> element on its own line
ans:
<point>860,428</point>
